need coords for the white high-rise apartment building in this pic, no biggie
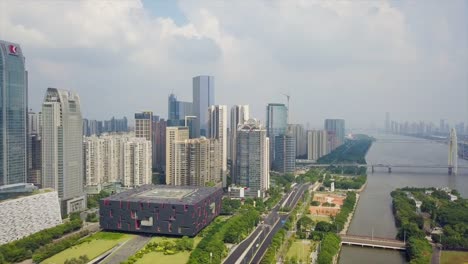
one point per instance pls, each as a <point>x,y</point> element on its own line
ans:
<point>137,162</point>
<point>217,129</point>
<point>317,141</point>
<point>253,158</point>
<point>239,115</point>
<point>117,158</point>
<point>62,148</point>
<point>198,162</point>
<point>173,134</point>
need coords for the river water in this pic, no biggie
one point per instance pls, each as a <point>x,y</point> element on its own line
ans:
<point>374,213</point>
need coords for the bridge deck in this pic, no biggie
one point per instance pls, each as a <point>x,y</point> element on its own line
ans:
<point>375,242</point>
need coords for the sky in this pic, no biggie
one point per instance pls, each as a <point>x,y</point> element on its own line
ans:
<point>337,59</point>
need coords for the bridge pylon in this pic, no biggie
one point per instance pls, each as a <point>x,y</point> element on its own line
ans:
<point>453,153</point>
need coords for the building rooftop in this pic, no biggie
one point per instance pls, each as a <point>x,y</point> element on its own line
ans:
<point>165,194</point>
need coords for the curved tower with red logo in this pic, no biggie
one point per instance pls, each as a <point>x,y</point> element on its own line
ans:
<point>13,114</point>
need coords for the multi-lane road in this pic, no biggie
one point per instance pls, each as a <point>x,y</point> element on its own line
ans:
<point>252,249</point>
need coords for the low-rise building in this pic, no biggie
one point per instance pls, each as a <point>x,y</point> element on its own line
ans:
<point>161,209</point>
<point>26,215</point>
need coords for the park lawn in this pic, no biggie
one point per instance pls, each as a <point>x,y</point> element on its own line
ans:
<point>92,246</point>
<point>159,257</point>
<point>318,218</point>
<point>299,250</point>
<point>160,239</point>
<point>450,257</point>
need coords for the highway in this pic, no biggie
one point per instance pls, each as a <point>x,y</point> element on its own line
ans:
<point>252,249</point>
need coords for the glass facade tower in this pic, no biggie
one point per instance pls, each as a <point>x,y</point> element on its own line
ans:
<point>276,124</point>
<point>13,114</point>
<point>203,97</point>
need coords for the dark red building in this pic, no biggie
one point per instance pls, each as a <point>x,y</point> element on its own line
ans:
<point>161,209</point>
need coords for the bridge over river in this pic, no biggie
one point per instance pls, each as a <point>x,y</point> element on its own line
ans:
<point>373,242</point>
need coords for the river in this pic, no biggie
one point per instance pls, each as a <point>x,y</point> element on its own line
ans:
<point>374,213</point>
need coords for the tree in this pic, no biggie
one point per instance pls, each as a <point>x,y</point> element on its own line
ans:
<point>324,226</point>
<point>305,224</point>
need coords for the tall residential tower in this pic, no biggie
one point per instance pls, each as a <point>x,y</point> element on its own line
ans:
<point>253,163</point>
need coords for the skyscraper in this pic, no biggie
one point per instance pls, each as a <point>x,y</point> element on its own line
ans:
<point>253,164</point>
<point>337,126</point>
<point>239,115</point>
<point>285,156</point>
<point>217,129</point>
<point>62,148</point>
<point>178,110</point>
<point>173,134</point>
<point>317,144</point>
<point>34,149</point>
<point>276,124</point>
<point>160,149</point>
<point>203,97</point>
<point>13,114</point>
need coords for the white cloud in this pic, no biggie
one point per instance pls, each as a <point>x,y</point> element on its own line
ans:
<point>338,58</point>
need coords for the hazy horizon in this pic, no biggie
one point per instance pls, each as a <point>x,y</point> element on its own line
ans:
<point>354,60</point>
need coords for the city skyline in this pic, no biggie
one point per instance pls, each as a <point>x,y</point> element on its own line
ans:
<point>412,74</point>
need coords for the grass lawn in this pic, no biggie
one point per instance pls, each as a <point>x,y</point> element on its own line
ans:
<point>318,218</point>
<point>159,257</point>
<point>300,250</point>
<point>450,257</point>
<point>92,246</point>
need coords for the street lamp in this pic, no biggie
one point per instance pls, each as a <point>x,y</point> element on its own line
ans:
<point>211,257</point>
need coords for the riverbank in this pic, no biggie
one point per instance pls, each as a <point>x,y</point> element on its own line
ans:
<point>344,231</point>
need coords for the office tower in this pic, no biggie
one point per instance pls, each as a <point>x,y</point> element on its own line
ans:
<point>276,124</point>
<point>198,162</point>
<point>337,126</point>
<point>300,136</point>
<point>190,123</point>
<point>14,109</point>
<point>178,110</point>
<point>203,97</point>
<point>285,156</point>
<point>239,115</point>
<point>173,134</point>
<point>217,129</point>
<point>62,148</point>
<point>160,142</point>
<point>253,162</point>
<point>317,144</point>
<point>34,149</point>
